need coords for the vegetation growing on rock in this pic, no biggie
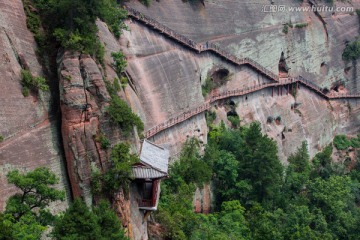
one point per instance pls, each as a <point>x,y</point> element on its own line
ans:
<point>72,23</point>
<point>79,222</point>
<point>352,51</point>
<point>119,172</point>
<point>26,215</point>
<point>31,83</point>
<point>342,142</point>
<point>256,197</point>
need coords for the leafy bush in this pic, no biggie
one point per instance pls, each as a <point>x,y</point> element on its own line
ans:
<point>208,86</point>
<point>301,25</point>
<point>286,27</point>
<point>112,13</point>
<point>119,173</point>
<point>341,142</point>
<point>121,114</point>
<point>29,82</point>
<point>355,142</point>
<point>352,51</point>
<point>235,121</point>
<point>124,81</point>
<point>1,138</point>
<point>103,140</point>
<point>119,62</point>
<point>210,117</point>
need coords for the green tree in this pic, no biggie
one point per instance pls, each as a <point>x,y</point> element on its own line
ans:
<point>297,172</point>
<point>333,196</point>
<point>35,193</point>
<point>260,164</point>
<point>321,163</point>
<point>108,222</point>
<point>226,176</point>
<point>78,222</point>
<point>119,174</point>
<point>26,215</point>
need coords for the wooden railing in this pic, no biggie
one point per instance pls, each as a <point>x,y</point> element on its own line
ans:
<point>202,47</point>
<point>241,92</point>
<point>199,47</point>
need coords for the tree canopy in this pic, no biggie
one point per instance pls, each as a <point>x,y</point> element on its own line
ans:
<point>256,197</point>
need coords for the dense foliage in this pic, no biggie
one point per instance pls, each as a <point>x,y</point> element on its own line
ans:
<point>79,222</point>
<point>119,173</point>
<point>121,113</point>
<point>256,197</point>
<point>26,215</point>
<point>342,142</point>
<point>71,23</point>
<point>31,83</point>
<point>352,51</point>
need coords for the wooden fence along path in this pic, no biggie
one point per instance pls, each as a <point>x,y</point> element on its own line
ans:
<point>211,47</point>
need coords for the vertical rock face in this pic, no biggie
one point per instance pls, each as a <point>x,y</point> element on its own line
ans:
<point>245,29</point>
<point>167,76</point>
<point>83,98</point>
<point>31,133</point>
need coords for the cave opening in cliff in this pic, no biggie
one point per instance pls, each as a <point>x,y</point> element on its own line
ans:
<point>232,113</point>
<point>220,76</point>
<point>283,67</point>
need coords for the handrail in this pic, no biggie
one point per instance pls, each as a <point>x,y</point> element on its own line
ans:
<point>231,58</point>
<point>241,92</point>
<point>199,47</point>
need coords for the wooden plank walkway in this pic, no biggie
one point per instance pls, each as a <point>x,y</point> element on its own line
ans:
<point>203,47</point>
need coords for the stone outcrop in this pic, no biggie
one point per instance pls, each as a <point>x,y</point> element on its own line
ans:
<point>30,130</point>
<point>80,119</point>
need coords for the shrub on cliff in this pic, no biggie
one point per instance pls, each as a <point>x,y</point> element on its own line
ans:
<point>341,142</point>
<point>119,173</point>
<point>119,62</point>
<point>352,51</point>
<point>31,83</point>
<point>121,114</point>
<point>73,22</point>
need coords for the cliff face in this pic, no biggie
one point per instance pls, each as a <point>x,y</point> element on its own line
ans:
<point>30,130</point>
<point>244,29</point>
<point>165,80</point>
<point>168,77</point>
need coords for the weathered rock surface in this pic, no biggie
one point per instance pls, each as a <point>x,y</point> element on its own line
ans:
<point>167,76</point>
<point>245,30</point>
<point>83,97</point>
<point>31,133</point>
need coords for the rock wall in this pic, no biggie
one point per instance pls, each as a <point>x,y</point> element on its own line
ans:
<point>313,51</point>
<point>30,130</point>
<point>167,77</point>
